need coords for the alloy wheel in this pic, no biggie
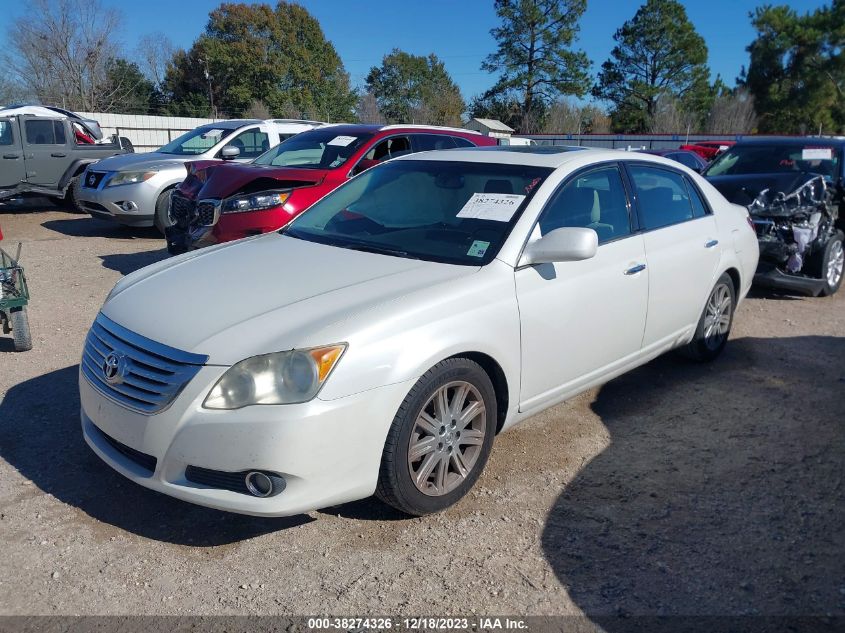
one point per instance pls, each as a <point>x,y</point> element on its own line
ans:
<point>835,264</point>
<point>717,316</point>
<point>447,438</point>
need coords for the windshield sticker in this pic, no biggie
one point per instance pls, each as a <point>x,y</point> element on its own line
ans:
<point>343,141</point>
<point>817,153</point>
<point>498,207</point>
<point>478,248</point>
<point>212,133</point>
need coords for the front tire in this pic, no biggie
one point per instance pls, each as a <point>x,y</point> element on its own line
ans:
<point>162,215</point>
<point>21,335</point>
<point>714,326</point>
<point>440,438</point>
<point>829,264</point>
<point>71,199</point>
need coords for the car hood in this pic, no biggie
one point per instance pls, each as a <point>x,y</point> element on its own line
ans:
<point>220,179</point>
<point>142,161</point>
<point>742,189</point>
<point>262,294</point>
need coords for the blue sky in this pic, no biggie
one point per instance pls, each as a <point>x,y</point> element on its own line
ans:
<point>458,31</point>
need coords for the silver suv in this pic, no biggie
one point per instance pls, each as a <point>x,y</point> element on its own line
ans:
<point>134,189</point>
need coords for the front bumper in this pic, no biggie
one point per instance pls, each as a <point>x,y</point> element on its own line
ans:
<point>229,227</point>
<point>131,205</point>
<point>328,451</point>
<point>778,280</point>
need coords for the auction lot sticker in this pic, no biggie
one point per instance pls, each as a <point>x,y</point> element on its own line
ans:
<point>498,207</point>
<point>817,153</point>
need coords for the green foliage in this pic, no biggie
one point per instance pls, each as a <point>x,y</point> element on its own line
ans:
<point>415,89</point>
<point>658,54</point>
<point>534,56</point>
<point>502,108</point>
<point>279,56</point>
<point>126,89</point>
<point>797,70</point>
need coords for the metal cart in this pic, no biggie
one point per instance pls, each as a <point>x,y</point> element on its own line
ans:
<point>14,296</point>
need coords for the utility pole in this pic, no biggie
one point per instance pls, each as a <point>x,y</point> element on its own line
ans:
<point>210,93</point>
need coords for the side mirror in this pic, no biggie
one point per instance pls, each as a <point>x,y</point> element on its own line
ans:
<point>230,152</point>
<point>567,244</point>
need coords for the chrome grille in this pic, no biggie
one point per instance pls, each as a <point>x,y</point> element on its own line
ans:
<point>207,212</point>
<point>151,374</point>
<point>92,179</point>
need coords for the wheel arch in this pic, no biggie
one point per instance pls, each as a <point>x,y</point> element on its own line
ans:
<point>733,273</point>
<point>497,376</point>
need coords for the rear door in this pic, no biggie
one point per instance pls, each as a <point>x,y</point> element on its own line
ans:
<point>681,245</point>
<point>46,150</point>
<point>12,168</point>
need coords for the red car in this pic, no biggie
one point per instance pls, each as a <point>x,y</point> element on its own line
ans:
<point>708,150</point>
<point>221,201</point>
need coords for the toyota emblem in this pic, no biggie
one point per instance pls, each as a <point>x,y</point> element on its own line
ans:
<point>114,367</point>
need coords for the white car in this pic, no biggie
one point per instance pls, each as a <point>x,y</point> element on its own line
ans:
<point>134,189</point>
<point>380,341</point>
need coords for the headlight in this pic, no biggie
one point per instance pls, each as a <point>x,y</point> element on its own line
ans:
<point>255,201</point>
<point>129,177</point>
<point>279,378</point>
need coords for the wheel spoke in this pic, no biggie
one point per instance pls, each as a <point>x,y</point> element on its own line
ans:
<point>442,472</point>
<point>441,406</point>
<point>458,399</point>
<point>458,461</point>
<point>424,472</point>
<point>471,437</point>
<point>421,448</point>
<point>469,414</point>
<point>427,423</point>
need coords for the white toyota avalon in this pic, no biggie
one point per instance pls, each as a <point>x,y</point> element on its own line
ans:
<point>382,339</point>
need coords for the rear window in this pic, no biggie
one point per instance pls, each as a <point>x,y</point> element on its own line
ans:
<point>777,158</point>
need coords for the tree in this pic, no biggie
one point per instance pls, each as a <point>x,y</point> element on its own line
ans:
<point>732,113</point>
<point>256,52</point>
<point>415,89</point>
<point>567,117</point>
<point>797,69</point>
<point>658,55</point>
<point>534,55</point>
<point>506,109</point>
<point>63,57</point>
<point>367,111</point>
<point>125,89</point>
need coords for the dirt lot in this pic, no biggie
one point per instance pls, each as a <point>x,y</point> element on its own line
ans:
<point>677,489</point>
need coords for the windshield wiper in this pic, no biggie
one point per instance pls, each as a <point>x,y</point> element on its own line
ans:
<point>375,248</point>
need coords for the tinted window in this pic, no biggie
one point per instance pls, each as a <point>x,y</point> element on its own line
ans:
<point>760,158</point>
<point>252,143</point>
<point>662,196</point>
<point>444,211</point>
<point>59,128</point>
<point>426,142</point>
<point>460,141</point>
<point>688,160</point>
<point>41,132</point>
<point>699,209</point>
<point>389,148</point>
<point>594,200</point>
<point>6,137</point>
<point>196,141</point>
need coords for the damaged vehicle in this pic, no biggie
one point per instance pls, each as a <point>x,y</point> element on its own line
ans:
<point>793,190</point>
<point>221,202</point>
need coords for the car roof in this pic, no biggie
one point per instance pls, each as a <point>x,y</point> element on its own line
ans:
<point>540,156</point>
<point>794,140</point>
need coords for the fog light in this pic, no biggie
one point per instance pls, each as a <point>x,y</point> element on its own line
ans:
<point>262,484</point>
<point>128,205</point>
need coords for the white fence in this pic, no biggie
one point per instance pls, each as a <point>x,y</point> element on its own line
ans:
<point>146,132</point>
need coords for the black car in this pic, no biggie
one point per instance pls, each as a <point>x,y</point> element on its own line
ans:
<point>794,190</point>
<point>683,156</point>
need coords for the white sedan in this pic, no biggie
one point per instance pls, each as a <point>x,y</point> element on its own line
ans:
<point>380,341</point>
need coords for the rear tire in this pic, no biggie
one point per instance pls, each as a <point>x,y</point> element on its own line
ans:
<point>714,326</point>
<point>20,330</point>
<point>828,264</point>
<point>440,438</point>
<point>162,216</point>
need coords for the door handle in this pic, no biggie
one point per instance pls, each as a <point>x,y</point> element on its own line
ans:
<point>58,155</point>
<point>711,243</point>
<point>636,269</point>
<point>11,156</point>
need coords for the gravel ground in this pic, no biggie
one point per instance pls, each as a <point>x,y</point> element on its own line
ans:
<point>676,489</point>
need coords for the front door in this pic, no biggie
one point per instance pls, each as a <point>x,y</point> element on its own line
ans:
<point>12,169</point>
<point>581,320</point>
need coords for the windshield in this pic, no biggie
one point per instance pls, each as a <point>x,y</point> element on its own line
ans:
<point>316,149</point>
<point>196,141</point>
<point>771,159</point>
<point>450,212</point>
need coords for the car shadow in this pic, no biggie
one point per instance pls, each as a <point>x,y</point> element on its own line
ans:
<point>40,436</point>
<point>126,263</point>
<point>86,226</point>
<point>720,493</point>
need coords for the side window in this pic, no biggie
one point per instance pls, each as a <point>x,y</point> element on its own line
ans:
<point>687,160</point>
<point>662,196</point>
<point>427,142</point>
<point>6,137</point>
<point>460,141</point>
<point>59,129</point>
<point>594,200</point>
<point>699,209</point>
<point>40,132</point>
<point>252,143</point>
<point>389,148</point>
